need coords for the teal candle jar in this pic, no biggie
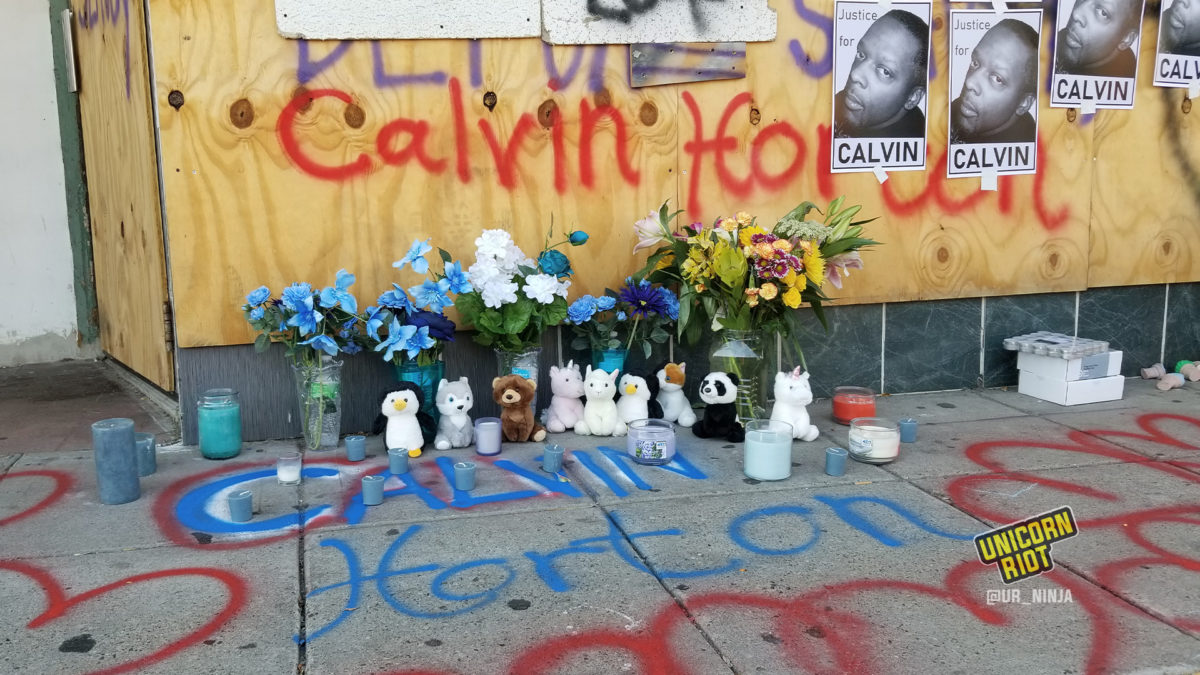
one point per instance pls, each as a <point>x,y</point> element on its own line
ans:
<point>609,360</point>
<point>219,419</point>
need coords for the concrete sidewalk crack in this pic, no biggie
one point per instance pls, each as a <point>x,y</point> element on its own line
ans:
<point>302,582</point>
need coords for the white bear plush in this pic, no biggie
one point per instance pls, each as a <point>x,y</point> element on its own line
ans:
<point>566,405</point>
<point>675,406</point>
<point>637,400</point>
<point>792,395</point>
<point>600,416</point>
<point>454,401</point>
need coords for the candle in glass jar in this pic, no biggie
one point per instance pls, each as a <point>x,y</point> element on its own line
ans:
<point>852,402</point>
<point>874,440</point>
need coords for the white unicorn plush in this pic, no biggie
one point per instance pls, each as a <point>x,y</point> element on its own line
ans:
<point>566,406</point>
<point>600,416</point>
<point>792,396</point>
<point>675,406</point>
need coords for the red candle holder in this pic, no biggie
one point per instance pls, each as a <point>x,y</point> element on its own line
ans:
<point>852,402</point>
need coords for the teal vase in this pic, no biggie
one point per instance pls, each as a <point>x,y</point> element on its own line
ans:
<point>427,378</point>
<point>609,359</point>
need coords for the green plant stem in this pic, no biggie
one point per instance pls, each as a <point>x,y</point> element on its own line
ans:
<point>632,332</point>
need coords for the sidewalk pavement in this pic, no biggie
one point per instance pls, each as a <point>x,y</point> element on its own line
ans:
<point>614,567</point>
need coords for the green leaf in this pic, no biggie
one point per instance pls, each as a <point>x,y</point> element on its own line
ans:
<point>516,316</point>
<point>446,258</point>
<point>800,211</point>
<point>555,312</point>
<point>646,348</point>
<point>490,321</point>
<point>580,342</point>
<point>262,343</point>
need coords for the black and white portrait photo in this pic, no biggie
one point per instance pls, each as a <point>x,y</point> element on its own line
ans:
<point>881,80</point>
<point>994,86</point>
<point>1177,61</point>
<point>1096,53</point>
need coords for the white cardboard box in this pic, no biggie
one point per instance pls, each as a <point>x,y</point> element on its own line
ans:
<point>1068,392</point>
<point>1104,364</point>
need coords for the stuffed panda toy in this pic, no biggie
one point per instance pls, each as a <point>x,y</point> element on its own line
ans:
<point>718,391</point>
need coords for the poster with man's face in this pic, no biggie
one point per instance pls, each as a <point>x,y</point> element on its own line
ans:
<point>880,80</point>
<point>1096,53</point>
<point>1177,61</point>
<point>994,89</point>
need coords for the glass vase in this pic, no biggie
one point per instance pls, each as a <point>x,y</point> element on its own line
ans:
<point>741,353</point>
<point>609,359</point>
<point>319,389</point>
<point>523,363</point>
<point>427,377</point>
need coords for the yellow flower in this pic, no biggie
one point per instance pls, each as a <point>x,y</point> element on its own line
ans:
<point>728,224</point>
<point>797,281</point>
<point>814,267</point>
<point>769,291</point>
<point>744,218</point>
<point>792,297</point>
<point>747,232</point>
<point>700,288</point>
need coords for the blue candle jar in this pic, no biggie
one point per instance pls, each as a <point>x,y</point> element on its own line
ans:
<point>219,418</point>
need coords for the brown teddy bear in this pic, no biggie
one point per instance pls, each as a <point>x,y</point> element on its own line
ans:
<point>514,394</point>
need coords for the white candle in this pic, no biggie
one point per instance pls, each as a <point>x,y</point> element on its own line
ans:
<point>877,443</point>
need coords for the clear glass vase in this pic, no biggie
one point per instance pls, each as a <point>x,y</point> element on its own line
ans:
<point>523,363</point>
<point>319,389</point>
<point>427,377</point>
<point>741,353</point>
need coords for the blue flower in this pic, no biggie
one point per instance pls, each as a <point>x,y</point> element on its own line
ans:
<point>294,296</point>
<point>440,327</point>
<point>332,295</point>
<point>417,341</point>
<point>459,281</point>
<point>322,343</point>
<point>397,336</point>
<point>256,313</point>
<point>554,263</point>
<point>621,316</point>
<point>578,238</point>
<point>258,296</point>
<point>605,303</point>
<point>671,302</point>
<point>416,256</point>
<point>432,295</point>
<point>306,318</point>
<point>643,298</point>
<point>375,319</point>
<point>582,310</point>
<point>397,299</point>
<point>352,348</point>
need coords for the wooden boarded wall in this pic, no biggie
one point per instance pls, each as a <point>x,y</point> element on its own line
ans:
<point>442,138</point>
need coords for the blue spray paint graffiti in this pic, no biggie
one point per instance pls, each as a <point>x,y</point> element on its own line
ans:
<point>192,510</point>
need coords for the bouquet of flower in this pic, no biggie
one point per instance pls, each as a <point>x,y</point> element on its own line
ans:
<point>414,324</point>
<point>514,298</point>
<point>741,275</point>
<point>309,322</point>
<point>638,312</point>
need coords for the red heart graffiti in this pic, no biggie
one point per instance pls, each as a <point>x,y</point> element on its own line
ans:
<point>62,483</point>
<point>59,604</point>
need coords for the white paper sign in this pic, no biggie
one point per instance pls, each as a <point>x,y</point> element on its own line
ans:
<point>1177,59</point>
<point>407,19</point>
<point>880,80</point>
<point>1096,53</point>
<point>994,86</point>
<point>574,22</point>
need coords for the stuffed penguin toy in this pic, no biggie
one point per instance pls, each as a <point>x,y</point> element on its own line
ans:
<point>637,399</point>
<point>402,421</point>
<point>718,391</point>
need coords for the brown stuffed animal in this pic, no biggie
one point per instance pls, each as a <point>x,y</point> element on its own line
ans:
<point>515,396</point>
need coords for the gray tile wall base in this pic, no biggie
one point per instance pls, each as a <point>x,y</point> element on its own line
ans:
<point>894,348</point>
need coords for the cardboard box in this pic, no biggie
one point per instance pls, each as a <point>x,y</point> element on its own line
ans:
<point>1071,392</point>
<point>1105,364</point>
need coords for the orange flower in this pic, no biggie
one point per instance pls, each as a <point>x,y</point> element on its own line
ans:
<point>769,291</point>
<point>764,250</point>
<point>752,293</point>
<point>783,245</point>
<point>744,218</point>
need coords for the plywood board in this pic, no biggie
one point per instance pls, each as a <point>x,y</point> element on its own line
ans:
<point>572,22</point>
<point>123,195</point>
<point>1144,227</point>
<point>398,19</point>
<point>942,238</point>
<point>250,206</point>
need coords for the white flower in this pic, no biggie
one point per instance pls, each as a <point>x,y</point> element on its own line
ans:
<point>492,244</point>
<point>541,287</point>
<point>562,288</point>
<point>499,293</point>
<point>485,272</point>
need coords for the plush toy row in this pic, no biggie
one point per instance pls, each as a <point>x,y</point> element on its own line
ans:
<point>587,404</point>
